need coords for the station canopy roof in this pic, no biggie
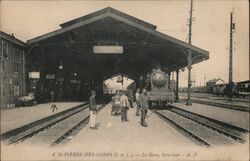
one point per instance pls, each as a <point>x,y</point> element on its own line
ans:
<point>143,46</point>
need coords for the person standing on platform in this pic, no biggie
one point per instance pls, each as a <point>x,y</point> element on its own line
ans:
<point>52,94</point>
<point>92,109</point>
<point>137,100</point>
<point>144,107</point>
<point>130,98</point>
<point>124,105</point>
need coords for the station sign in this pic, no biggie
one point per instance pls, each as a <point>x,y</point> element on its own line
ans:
<point>107,49</point>
<point>34,75</point>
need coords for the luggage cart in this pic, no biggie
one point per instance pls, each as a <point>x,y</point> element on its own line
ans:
<point>116,107</point>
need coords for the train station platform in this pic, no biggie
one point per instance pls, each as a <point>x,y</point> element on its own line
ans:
<point>233,117</point>
<point>116,140</point>
<point>17,117</point>
<point>128,138</point>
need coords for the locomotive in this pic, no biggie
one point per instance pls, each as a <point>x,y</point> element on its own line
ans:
<point>159,92</point>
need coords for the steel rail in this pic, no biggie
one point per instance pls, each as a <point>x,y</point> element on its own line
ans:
<point>228,106</point>
<point>221,127</point>
<point>81,124</point>
<point>16,131</point>
<point>183,129</point>
<point>21,136</point>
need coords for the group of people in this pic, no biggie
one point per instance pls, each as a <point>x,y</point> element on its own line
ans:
<point>124,101</point>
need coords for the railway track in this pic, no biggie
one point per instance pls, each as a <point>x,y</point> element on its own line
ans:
<point>44,121</point>
<point>245,100</point>
<point>55,131</point>
<point>202,130</point>
<point>214,97</point>
<point>222,105</point>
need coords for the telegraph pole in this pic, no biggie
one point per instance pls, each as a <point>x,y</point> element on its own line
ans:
<point>230,80</point>
<point>232,27</point>
<point>189,56</point>
<point>190,23</point>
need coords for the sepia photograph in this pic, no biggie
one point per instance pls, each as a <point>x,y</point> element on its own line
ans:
<point>128,80</point>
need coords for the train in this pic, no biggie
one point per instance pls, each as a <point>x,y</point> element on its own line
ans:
<point>238,89</point>
<point>159,91</point>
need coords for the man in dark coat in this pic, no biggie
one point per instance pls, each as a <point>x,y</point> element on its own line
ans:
<point>130,98</point>
<point>144,106</point>
<point>92,109</point>
<point>124,106</point>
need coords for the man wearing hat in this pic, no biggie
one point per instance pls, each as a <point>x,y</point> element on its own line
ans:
<point>124,106</point>
<point>144,106</point>
<point>92,109</point>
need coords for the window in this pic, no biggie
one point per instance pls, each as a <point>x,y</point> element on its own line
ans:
<point>17,55</point>
<point>16,70</point>
<point>3,66</point>
<point>4,86</point>
<point>4,91</point>
<point>5,50</point>
<point>16,90</point>
<point>16,67</point>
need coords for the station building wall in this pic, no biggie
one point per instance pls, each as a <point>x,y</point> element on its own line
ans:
<point>12,70</point>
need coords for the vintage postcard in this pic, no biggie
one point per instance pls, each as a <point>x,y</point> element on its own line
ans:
<point>126,80</point>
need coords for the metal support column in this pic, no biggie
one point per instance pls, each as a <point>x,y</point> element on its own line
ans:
<point>189,101</point>
<point>177,87</point>
<point>1,77</point>
<point>169,83</point>
<point>23,74</point>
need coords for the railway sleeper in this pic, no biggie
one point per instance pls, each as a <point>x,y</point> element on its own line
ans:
<point>65,137</point>
<point>221,131</point>
<point>185,131</point>
<point>29,133</point>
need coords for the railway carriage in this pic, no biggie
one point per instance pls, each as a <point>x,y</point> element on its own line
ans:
<point>244,88</point>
